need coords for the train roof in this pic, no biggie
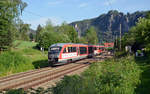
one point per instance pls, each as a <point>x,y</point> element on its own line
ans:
<point>62,44</point>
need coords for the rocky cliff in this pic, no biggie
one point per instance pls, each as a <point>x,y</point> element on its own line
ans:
<point>108,25</point>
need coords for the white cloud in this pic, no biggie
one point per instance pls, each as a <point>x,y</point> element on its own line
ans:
<point>109,2</point>
<point>42,21</point>
<point>82,5</point>
<point>51,3</point>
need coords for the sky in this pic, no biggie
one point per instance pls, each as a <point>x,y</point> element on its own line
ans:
<point>39,11</point>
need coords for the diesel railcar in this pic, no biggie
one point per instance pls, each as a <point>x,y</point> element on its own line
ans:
<point>62,53</point>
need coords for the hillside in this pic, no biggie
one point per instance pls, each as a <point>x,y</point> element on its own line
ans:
<point>109,24</point>
<point>23,57</point>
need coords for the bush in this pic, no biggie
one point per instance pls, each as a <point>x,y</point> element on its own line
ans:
<point>120,54</point>
<point>13,62</point>
<point>110,77</point>
<point>115,77</point>
<point>16,91</point>
<point>74,85</point>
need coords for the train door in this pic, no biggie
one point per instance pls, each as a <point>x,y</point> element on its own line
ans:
<point>90,51</point>
<point>78,51</point>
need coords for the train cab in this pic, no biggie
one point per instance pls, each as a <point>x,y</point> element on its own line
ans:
<point>54,53</point>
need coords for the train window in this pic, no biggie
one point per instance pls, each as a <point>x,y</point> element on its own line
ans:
<point>83,50</point>
<point>74,49</point>
<point>64,50</point>
<point>55,49</point>
<point>69,49</point>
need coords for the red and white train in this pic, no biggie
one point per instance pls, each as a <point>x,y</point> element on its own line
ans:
<point>62,53</point>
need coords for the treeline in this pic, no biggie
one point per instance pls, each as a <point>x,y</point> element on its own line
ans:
<point>49,34</point>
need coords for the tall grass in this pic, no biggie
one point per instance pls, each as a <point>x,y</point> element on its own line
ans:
<point>13,62</point>
<point>22,57</point>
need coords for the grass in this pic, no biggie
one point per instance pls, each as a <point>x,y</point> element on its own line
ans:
<point>13,62</point>
<point>21,58</point>
<point>29,50</point>
<point>23,44</point>
<point>144,64</point>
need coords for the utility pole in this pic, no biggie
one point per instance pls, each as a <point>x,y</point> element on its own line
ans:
<point>120,37</point>
<point>116,41</point>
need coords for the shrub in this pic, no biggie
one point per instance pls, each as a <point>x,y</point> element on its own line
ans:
<point>109,77</point>
<point>113,77</point>
<point>74,85</point>
<point>16,91</point>
<point>120,54</point>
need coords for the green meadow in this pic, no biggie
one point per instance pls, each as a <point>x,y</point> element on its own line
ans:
<point>23,56</point>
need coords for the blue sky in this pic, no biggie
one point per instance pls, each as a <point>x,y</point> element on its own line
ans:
<point>58,11</point>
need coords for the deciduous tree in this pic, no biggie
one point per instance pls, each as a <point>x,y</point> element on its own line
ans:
<point>38,32</point>
<point>91,36</point>
<point>9,10</point>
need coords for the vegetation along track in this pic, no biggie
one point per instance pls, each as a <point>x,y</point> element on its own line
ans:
<point>32,78</point>
<point>36,77</point>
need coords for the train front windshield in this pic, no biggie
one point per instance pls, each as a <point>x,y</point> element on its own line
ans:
<point>54,50</point>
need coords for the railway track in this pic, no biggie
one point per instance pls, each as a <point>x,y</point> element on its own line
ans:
<point>32,78</point>
<point>36,77</point>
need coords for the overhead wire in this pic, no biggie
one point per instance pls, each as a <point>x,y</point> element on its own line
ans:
<point>32,13</point>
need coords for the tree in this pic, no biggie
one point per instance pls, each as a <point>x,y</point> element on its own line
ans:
<point>91,36</point>
<point>83,40</point>
<point>69,31</point>
<point>139,35</point>
<point>57,34</point>
<point>25,28</point>
<point>9,10</point>
<point>49,27</point>
<point>31,36</point>
<point>38,32</point>
<point>48,36</point>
